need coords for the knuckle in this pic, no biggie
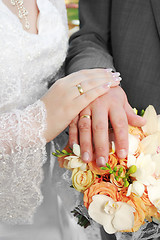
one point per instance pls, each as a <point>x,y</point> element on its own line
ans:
<point>84,126</point>
<point>73,124</point>
<point>88,96</point>
<point>100,149</point>
<point>85,146</point>
<point>100,126</point>
<point>120,124</point>
<point>115,101</point>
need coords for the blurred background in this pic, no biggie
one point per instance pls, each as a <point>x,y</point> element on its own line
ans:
<point>72,13</point>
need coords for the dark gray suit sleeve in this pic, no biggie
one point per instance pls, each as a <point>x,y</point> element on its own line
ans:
<point>90,46</point>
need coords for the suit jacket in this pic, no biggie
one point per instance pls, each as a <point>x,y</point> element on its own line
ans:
<point>125,35</point>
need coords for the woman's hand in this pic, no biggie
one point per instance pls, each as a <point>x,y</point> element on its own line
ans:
<point>113,107</point>
<point>64,102</point>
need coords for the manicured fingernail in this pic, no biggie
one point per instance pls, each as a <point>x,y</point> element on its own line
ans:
<point>117,79</point>
<point>73,144</point>
<point>116,74</point>
<point>85,156</point>
<point>122,153</point>
<point>107,85</point>
<point>101,161</point>
<point>109,69</point>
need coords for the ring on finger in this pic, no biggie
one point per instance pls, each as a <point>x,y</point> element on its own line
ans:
<point>85,116</point>
<point>80,89</point>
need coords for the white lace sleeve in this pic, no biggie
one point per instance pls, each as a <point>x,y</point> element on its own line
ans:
<point>22,154</point>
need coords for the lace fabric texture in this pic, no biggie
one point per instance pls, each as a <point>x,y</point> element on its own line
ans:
<point>28,62</point>
<point>148,231</point>
<point>22,154</point>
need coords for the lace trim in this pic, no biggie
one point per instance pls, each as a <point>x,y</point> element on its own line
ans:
<point>146,232</point>
<point>22,154</point>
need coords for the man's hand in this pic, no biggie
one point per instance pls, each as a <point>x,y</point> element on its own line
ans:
<point>112,106</point>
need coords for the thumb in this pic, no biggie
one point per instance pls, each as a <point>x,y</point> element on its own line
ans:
<point>133,119</point>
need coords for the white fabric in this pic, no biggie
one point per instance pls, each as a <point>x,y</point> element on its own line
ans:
<point>29,208</point>
<point>27,63</point>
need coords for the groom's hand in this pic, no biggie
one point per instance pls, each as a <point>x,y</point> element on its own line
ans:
<point>112,106</point>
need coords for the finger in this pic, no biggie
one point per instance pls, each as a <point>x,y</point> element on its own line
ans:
<point>133,118</point>
<point>73,132</point>
<point>119,123</point>
<point>100,132</point>
<point>85,135</point>
<point>82,101</point>
<point>95,81</point>
<point>92,75</point>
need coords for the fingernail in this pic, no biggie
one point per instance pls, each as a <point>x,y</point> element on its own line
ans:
<point>85,156</point>
<point>73,144</point>
<point>122,153</point>
<point>109,69</point>
<point>101,161</point>
<point>117,79</point>
<point>107,85</point>
<point>116,74</point>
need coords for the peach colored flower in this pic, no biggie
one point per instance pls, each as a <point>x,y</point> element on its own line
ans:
<point>136,131</point>
<point>119,183</point>
<point>104,188</point>
<point>112,161</point>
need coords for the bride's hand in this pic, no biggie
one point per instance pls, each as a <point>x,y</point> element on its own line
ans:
<point>63,101</point>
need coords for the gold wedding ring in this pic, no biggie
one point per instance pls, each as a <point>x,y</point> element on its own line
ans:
<point>80,89</point>
<point>85,116</point>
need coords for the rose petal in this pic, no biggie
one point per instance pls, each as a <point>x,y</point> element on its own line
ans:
<point>83,167</point>
<point>71,157</point>
<point>75,163</point>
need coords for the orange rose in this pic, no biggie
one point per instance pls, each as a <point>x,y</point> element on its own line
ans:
<point>104,188</point>
<point>112,161</point>
<point>140,213</point>
<point>136,131</point>
<point>119,183</point>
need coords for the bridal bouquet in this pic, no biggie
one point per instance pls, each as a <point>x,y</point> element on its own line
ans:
<point>125,193</point>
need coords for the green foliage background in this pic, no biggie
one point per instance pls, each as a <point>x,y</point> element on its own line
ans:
<point>72,14</point>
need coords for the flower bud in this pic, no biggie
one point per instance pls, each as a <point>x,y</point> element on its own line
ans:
<point>132,169</point>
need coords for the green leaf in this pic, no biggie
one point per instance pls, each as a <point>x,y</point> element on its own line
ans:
<point>126,183</point>
<point>83,220</point>
<point>142,112</point>
<point>108,166</point>
<point>115,169</point>
<point>71,149</point>
<point>104,168</point>
<point>117,178</point>
<point>58,151</point>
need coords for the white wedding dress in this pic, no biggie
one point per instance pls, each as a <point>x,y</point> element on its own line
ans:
<point>28,202</point>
